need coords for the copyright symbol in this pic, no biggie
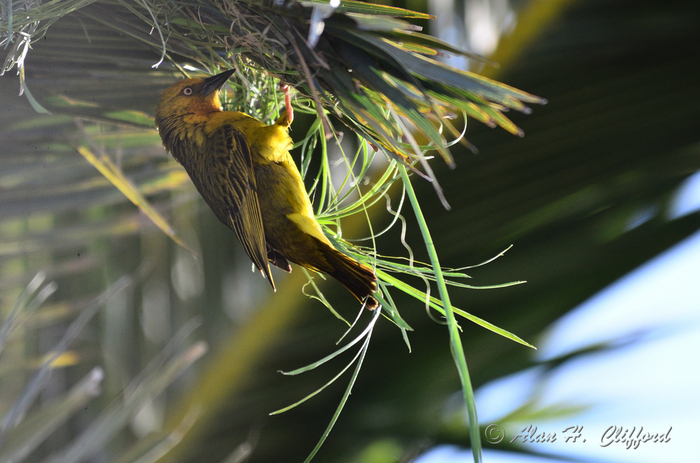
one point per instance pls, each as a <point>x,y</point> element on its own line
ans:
<point>493,434</point>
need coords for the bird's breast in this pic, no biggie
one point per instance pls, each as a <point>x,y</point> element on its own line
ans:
<point>274,143</point>
<point>267,143</point>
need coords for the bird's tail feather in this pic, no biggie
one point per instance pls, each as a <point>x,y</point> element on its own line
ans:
<point>358,278</point>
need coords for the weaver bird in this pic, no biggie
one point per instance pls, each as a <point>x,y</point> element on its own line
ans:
<point>243,170</point>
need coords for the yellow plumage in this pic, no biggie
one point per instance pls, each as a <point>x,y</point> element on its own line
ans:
<point>243,170</point>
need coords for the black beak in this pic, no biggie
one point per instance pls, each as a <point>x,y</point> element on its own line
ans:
<point>214,83</point>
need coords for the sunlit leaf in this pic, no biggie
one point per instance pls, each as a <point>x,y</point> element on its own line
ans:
<point>107,168</point>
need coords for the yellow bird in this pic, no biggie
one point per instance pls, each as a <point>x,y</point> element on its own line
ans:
<point>243,170</point>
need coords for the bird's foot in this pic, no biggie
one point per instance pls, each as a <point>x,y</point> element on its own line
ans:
<point>287,102</point>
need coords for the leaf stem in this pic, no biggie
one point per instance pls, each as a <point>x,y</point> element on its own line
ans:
<point>455,341</point>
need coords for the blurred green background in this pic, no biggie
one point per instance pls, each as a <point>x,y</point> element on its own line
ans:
<point>586,197</point>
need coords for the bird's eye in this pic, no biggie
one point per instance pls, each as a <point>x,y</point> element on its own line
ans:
<point>187,91</point>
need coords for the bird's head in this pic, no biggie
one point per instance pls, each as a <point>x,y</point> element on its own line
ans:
<point>197,97</point>
<point>185,105</point>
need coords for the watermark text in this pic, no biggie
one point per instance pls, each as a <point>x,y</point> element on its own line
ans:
<point>630,438</point>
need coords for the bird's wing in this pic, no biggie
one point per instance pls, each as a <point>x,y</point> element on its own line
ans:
<point>232,163</point>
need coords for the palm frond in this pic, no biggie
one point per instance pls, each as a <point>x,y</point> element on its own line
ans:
<point>366,60</point>
<point>366,64</point>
